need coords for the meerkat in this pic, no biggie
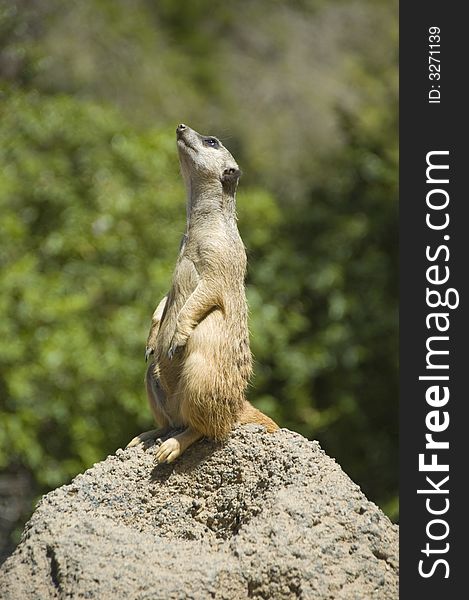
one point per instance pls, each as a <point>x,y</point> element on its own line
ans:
<point>199,339</point>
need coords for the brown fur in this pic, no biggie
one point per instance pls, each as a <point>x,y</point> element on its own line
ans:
<point>199,335</point>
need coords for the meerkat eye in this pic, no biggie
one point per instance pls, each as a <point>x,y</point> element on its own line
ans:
<point>212,142</point>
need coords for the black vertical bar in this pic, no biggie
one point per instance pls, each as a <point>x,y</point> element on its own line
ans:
<point>433,118</point>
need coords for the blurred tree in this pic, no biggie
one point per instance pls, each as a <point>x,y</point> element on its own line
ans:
<point>84,203</point>
<point>324,317</point>
<point>272,78</point>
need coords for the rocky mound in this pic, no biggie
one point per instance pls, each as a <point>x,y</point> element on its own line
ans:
<point>262,516</point>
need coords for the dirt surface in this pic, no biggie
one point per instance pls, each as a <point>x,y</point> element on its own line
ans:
<point>262,516</point>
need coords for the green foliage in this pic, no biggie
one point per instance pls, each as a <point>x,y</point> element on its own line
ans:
<point>92,211</point>
<point>84,203</point>
<point>324,316</point>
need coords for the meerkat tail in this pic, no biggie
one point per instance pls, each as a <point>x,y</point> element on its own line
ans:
<point>249,414</point>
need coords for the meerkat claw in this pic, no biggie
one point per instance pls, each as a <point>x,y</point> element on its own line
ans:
<point>178,342</point>
<point>172,351</point>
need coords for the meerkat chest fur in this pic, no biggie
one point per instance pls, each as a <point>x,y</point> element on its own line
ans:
<point>214,256</point>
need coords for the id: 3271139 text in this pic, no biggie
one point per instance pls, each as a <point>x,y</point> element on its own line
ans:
<point>434,65</point>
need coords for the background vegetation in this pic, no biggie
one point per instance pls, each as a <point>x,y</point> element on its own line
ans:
<point>92,209</point>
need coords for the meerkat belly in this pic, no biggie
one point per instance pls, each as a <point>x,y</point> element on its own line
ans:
<point>210,336</point>
<point>213,377</point>
<point>218,350</point>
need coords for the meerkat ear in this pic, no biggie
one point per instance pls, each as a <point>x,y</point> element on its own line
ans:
<point>230,178</point>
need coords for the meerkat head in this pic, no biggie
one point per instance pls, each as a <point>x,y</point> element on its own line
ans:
<point>205,161</point>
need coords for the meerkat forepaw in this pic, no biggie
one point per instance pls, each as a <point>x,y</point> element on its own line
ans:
<point>169,450</point>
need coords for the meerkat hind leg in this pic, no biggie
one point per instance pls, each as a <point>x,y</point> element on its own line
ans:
<point>154,435</point>
<point>173,447</point>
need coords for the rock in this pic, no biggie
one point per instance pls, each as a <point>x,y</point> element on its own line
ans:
<point>263,516</point>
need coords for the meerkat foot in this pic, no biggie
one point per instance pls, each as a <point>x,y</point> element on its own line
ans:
<point>154,435</point>
<point>169,450</point>
<point>173,447</point>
